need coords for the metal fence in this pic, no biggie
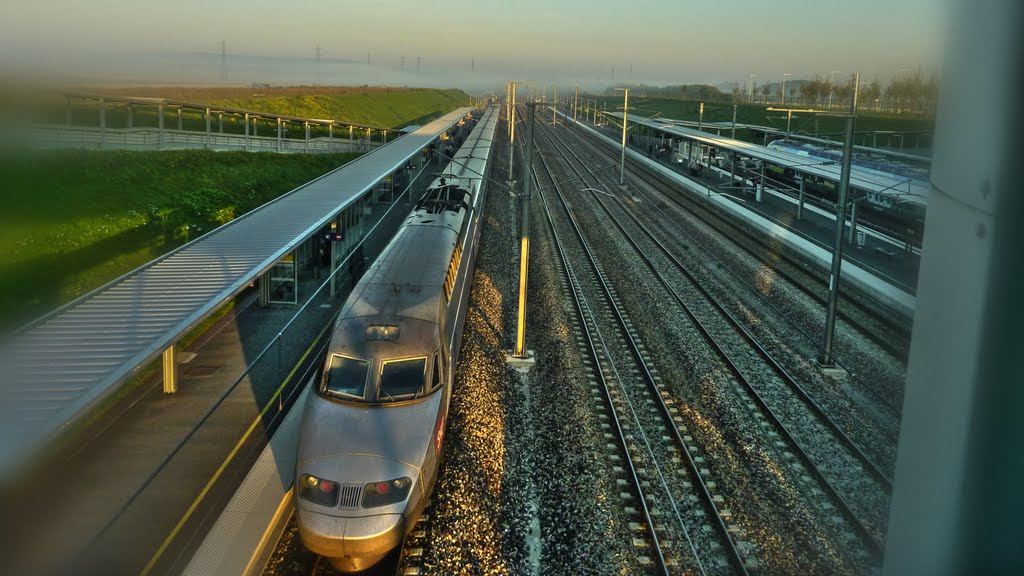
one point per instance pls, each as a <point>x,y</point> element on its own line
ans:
<point>62,136</point>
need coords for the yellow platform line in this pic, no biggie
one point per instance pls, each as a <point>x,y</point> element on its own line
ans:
<point>283,514</point>
<point>216,475</point>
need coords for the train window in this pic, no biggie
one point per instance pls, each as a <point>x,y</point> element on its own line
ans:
<point>435,380</point>
<point>346,376</point>
<point>401,378</point>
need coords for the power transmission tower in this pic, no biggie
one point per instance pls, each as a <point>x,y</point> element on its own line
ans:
<point>401,64</point>
<point>472,65</point>
<point>223,61</point>
<point>318,64</point>
<point>417,64</point>
<point>367,58</point>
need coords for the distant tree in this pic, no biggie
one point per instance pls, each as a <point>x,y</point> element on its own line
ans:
<point>736,93</point>
<point>842,92</point>
<point>871,93</point>
<point>753,90</point>
<point>766,89</point>
<point>930,94</point>
<point>813,89</point>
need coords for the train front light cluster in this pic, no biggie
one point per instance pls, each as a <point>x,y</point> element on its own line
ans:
<point>318,490</point>
<point>387,492</point>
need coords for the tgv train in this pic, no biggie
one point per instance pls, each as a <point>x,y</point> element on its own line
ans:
<point>895,190</point>
<point>372,433</point>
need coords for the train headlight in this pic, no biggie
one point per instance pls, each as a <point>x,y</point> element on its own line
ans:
<point>318,490</point>
<point>386,492</point>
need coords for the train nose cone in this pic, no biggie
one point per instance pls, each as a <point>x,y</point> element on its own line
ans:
<point>368,540</point>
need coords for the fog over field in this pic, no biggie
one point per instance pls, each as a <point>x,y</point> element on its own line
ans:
<point>466,44</point>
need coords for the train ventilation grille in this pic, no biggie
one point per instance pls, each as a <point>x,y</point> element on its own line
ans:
<point>350,494</point>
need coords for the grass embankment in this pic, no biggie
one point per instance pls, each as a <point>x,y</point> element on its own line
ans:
<point>74,220</point>
<point>759,114</point>
<point>390,108</point>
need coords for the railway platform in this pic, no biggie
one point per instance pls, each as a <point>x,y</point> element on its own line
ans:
<point>878,266</point>
<point>274,348</point>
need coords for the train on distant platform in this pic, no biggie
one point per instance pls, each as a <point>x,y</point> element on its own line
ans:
<point>372,435</point>
<point>896,194</point>
<point>902,191</point>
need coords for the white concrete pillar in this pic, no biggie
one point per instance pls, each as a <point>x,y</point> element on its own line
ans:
<point>103,123</point>
<point>263,283</point>
<point>179,119</point>
<point>800,203</point>
<point>760,184</point>
<point>306,126</point>
<point>279,143</point>
<point>334,249</point>
<point>208,132</point>
<point>247,131</point>
<point>160,127</point>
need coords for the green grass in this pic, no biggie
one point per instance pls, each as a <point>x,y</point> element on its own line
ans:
<point>73,220</point>
<point>758,114</point>
<point>391,109</point>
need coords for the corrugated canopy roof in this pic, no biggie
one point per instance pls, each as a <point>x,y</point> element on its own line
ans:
<point>59,367</point>
<point>881,183</point>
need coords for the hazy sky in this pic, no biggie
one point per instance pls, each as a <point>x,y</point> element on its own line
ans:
<point>575,40</point>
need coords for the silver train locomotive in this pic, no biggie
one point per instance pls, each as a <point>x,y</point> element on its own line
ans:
<point>372,433</point>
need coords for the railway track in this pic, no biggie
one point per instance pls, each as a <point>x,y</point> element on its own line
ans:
<point>852,479</point>
<point>663,476</point>
<point>872,321</point>
<point>415,546</point>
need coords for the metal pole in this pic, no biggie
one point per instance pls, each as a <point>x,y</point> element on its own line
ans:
<point>512,132</point>
<point>625,122</point>
<point>524,250</point>
<point>837,248</point>
<point>209,132</point>
<point>734,121</point>
<point>160,127</point>
<point>575,103</point>
<point>700,118</point>
<point>789,121</point>
<point>554,106</point>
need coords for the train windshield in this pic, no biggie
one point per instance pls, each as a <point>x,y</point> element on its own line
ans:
<point>401,378</point>
<point>346,376</point>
